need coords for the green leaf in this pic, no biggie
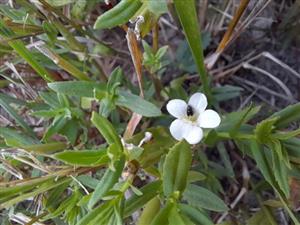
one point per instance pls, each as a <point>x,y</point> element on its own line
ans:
<point>5,105</point>
<point>57,124</point>
<point>47,148</point>
<point>157,7</point>
<point>292,145</point>
<point>103,211</point>
<point>83,157</point>
<point>162,217</point>
<point>21,49</point>
<point>136,202</point>
<point>259,156</point>
<point>160,143</point>
<point>77,88</point>
<point>231,119</point>
<point>212,138</point>
<point>69,67</point>
<point>194,176</point>
<point>23,187</point>
<point>150,211</point>
<point>286,135</point>
<point>107,105</point>
<point>50,98</point>
<point>262,217</point>
<point>114,153</point>
<point>107,213</point>
<point>280,172</point>
<point>124,98</point>
<point>20,138</point>
<point>88,181</point>
<point>71,130</point>
<point>79,9</point>
<point>264,129</point>
<point>200,197</point>
<point>57,3</point>
<point>176,167</point>
<point>286,116</point>
<point>50,30</point>
<point>51,113</point>
<point>242,119</point>
<point>195,215</point>
<point>106,129</point>
<point>42,188</point>
<point>54,196</point>
<point>11,99</point>
<point>65,205</point>
<point>115,79</point>
<point>103,50</point>
<point>174,217</point>
<point>137,104</point>
<point>225,158</point>
<point>109,179</point>
<point>135,153</point>
<point>187,14</point>
<point>118,15</point>
<point>226,92</point>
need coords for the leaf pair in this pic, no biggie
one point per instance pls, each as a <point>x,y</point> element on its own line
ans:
<point>123,98</point>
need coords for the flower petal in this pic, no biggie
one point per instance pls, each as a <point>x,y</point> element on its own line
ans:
<point>177,108</point>
<point>178,128</point>
<point>193,135</point>
<point>209,119</point>
<point>198,101</point>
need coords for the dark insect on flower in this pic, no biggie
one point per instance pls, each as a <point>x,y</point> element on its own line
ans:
<point>189,111</point>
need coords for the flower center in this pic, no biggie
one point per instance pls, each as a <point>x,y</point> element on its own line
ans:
<point>191,114</point>
<point>189,111</point>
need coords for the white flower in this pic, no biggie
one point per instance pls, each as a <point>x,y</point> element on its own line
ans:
<point>191,118</point>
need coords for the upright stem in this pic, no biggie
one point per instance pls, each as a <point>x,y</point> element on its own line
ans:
<point>155,32</point>
<point>187,14</point>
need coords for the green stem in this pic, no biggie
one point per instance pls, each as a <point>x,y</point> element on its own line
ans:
<point>238,136</point>
<point>291,214</point>
<point>187,14</point>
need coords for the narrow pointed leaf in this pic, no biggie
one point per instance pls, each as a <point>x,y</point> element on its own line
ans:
<point>106,129</point>
<point>203,198</point>
<point>137,104</point>
<point>136,202</point>
<point>176,167</point>
<point>77,88</point>
<point>187,14</point>
<point>118,15</point>
<point>109,179</point>
<point>83,157</point>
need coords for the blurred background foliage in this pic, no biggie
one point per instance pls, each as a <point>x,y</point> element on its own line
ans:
<point>84,130</point>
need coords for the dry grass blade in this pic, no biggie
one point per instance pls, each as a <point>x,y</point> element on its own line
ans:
<point>27,87</point>
<point>263,88</point>
<point>226,38</point>
<point>259,7</point>
<point>62,63</point>
<point>21,218</point>
<point>271,76</point>
<point>38,167</point>
<point>232,34</point>
<point>131,126</point>
<point>11,169</point>
<point>224,13</point>
<point>242,7</point>
<point>282,64</point>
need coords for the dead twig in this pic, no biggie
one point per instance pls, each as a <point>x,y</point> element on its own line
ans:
<point>136,56</point>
